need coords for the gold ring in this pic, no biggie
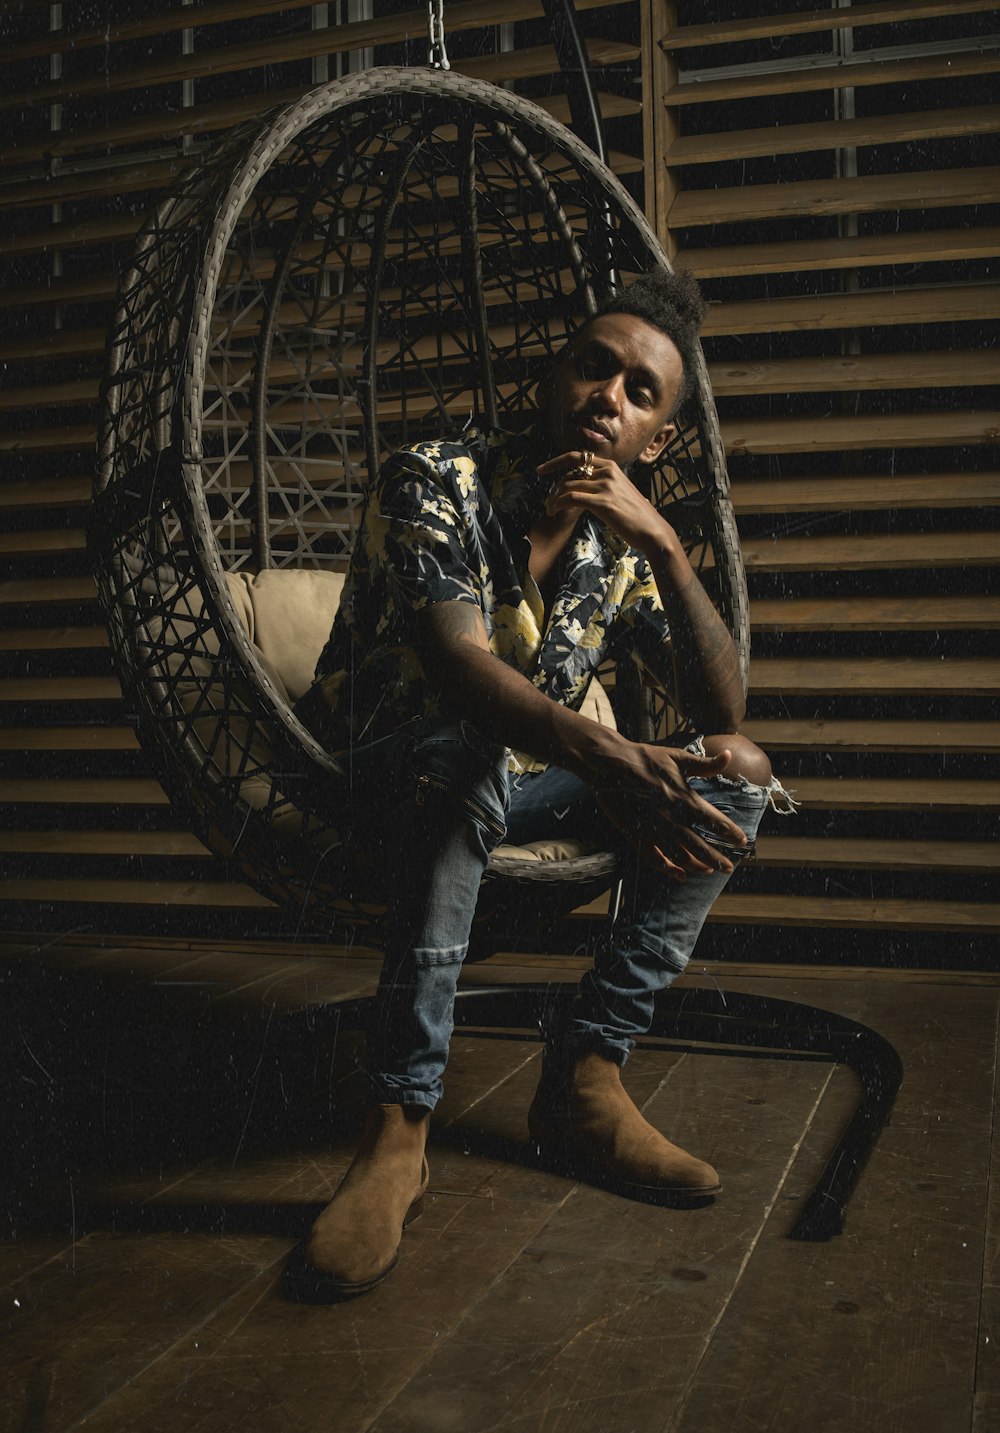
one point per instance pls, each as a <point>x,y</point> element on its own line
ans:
<point>587,466</point>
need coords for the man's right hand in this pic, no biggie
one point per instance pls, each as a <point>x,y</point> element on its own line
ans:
<point>644,791</point>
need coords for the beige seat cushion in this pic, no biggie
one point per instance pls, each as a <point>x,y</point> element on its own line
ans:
<point>288,613</point>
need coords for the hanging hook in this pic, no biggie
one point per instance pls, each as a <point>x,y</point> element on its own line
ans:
<point>437,55</point>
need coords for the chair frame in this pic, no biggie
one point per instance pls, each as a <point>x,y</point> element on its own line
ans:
<point>243,304</point>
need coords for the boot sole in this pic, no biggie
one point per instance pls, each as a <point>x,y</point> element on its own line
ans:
<point>303,1283</point>
<point>564,1162</point>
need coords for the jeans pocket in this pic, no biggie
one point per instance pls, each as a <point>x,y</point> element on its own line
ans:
<point>445,762</point>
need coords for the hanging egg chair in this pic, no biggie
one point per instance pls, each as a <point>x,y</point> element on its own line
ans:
<point>373,264</point>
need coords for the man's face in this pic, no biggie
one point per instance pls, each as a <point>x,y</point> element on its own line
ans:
<point>613,389</point>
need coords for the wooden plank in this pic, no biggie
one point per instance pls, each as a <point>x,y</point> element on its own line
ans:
<point>868,194</point>
<point>827,974</point>
<point>658,71</point>
<point>986,1404</point>
<point>837,373</point>
<point>51,395</point>
<point>834,433</point>
<point>301,45</point>
<point>846,913</point>
<point>864,493</point>
<point>68,738</point>
<point>46,493</point>
<point>92,945</point>
<point>76,437</point>
<point>117,179</point>
<point>83,791</point>
<point>896,676</point>
<point>41,544</point>
<point>951,65</point>
<point>849,373</point>
<point>856,251</point>
<point>767,435</point>
<point>73,235</point>
<point>861,552</point>
<point>390,29</point>
<point>60,689</point>
<point>895,793</point>
<point>21,591</point>
<point>92,288</point>
<point>611,105</point>
<point>776,1343</point>
<point>825,912</point>
<point>758,27</point>
<point>729,145</point>
<point>818,733</point>
<point>875,614</point>
<point>103,843</point>
<point>222,895</point>
<point>974,857</point>
<point>70,1312</point>
<point>205,119</point>
<point>52,639</point>
<point>866,309</point>
<point>160,22</point>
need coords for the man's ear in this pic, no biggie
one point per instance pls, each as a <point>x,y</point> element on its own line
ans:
<point>543,391</point>
<point>656,445</point>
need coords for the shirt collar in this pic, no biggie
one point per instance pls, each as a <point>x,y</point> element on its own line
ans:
<point>516,490</point>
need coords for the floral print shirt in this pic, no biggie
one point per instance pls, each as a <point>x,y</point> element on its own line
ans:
<point>447,522</point>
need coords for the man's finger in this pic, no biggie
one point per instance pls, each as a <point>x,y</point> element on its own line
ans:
<point>703,765</point>
<point>690,847</point>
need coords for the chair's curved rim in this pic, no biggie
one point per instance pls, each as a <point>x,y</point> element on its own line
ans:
<point>179,433</point>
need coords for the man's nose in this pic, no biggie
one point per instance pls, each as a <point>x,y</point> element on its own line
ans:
<point>609,394</point>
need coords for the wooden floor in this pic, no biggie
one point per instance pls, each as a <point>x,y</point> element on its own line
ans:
<point>144,1293</point>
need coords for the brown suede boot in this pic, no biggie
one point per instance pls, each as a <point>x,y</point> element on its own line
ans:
<point>584,1114</point>
<point>354,1243</point>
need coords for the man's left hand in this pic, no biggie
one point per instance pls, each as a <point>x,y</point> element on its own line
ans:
<point>610,495</point>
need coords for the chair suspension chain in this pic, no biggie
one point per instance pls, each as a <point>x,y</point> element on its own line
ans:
<point>437,54</point>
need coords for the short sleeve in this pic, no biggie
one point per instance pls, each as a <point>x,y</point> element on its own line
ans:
<point>415,533</point>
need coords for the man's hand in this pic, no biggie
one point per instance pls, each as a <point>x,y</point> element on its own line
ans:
<point>611,496</point>
<point>706,684</point>
<point>644,791</point>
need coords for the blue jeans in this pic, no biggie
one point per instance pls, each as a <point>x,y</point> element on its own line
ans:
<point>432,802</point>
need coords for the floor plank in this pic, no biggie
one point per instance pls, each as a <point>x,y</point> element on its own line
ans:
<point>526,1302</point>
<point>598,1324</point>
<point>892,1305</point>
<point>986,1406</point>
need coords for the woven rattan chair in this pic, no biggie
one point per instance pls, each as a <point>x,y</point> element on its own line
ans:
<point>372,264</point>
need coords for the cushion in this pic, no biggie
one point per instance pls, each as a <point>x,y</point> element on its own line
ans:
<point>288,613</point>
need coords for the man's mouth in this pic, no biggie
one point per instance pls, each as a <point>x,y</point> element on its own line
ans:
<point>593,431</point>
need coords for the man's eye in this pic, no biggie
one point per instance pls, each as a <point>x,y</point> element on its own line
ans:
<point>642,396</point>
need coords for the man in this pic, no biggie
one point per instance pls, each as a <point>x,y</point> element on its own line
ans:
<point>490,577</point>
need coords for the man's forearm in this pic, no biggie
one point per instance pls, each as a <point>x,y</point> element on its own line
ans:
<point>499,700</point>
<point>643,789</point>
<point>707,680</point>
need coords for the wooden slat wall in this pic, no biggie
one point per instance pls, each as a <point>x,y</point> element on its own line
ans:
<point>842,218</point>
<point>829,174</point>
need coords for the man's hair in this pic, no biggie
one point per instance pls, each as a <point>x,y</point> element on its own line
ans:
<point>670,301</point>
